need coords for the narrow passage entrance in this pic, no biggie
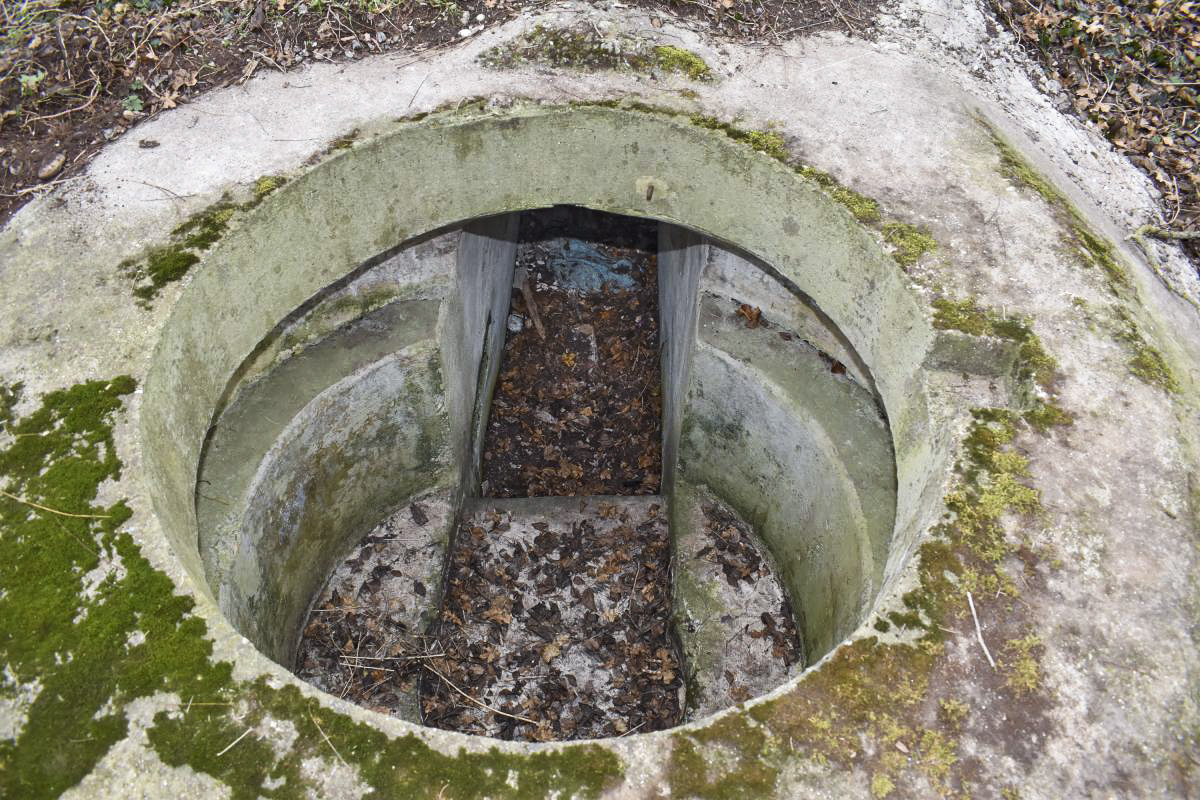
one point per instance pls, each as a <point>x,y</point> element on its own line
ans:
<point>577,408</point>
<point>555,621</point>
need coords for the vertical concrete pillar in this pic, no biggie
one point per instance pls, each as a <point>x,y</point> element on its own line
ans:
<point>473,332</point>
<point>682,256</point>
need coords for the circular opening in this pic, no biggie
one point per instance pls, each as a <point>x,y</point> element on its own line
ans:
<point>338,426</point>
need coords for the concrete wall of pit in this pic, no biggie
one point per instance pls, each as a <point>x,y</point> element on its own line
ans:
<point>373,196</point>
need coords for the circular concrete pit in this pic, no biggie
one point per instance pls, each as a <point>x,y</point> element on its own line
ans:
<point>316,420</point>
<point>970,457</point>
<point>360,401</point>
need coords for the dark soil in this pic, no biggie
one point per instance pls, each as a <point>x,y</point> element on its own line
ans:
<point>557,625</point>
<point>579,412</point>
<point>76,74</point>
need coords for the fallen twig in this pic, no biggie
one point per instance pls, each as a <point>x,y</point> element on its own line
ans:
<point>31,504</point>
<point>479,703</point>
<point>1163,233</point>
<point>530,305</point>
<point>1138,237</point>
<point>32,189</point>
<point>91,99</point>
<point>978,631</point>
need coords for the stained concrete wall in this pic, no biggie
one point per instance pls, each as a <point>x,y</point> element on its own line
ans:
<point>473,335</point>
<point>282,255</point>
<point>800,453</point>
<point>368,443</point>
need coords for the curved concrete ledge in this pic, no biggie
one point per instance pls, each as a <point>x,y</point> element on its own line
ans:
<point>1086,596</point>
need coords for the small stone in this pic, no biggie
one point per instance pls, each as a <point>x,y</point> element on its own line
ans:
<point>515,323</point>
<point>51,167</point>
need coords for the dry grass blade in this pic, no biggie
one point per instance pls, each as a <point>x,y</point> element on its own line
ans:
<point>321,731</point>
<point>49,510</point>
<point>479,703</point>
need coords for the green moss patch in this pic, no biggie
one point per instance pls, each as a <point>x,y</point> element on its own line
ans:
<point>675,59</point>
<point>584,48</point>
<point>763,141</point>
<point>909,242</point>
<point>1146,362</point>
<point>890,709</point>
<point>170,262</point>
<point>733,758</point>
<point>1092,248</point>
<point>134,637</point>
<point>1033,362</point>
<point>404,767</point>
<point>864,209</point>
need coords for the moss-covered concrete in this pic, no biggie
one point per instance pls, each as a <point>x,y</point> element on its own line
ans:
<point>110,629</point>
<point>585,48</point>
<point>889,707</point>
<point>170,262</point>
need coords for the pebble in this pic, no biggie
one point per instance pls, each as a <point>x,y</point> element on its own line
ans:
<point>51,167</point>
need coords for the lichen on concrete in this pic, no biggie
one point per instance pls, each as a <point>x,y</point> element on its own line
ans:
<point>585,48</point>
<point>1092,248</point>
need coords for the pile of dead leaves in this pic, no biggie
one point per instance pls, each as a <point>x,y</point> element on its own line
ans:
<point>733,547</point>
<point>556,627</point>
<point>361,646</point>
<point>1132,69</point>
<point>579,412</point>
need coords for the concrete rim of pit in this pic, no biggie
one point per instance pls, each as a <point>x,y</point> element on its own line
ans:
<point>428,174</point>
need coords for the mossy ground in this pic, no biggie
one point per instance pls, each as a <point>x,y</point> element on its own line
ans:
<point>91,665</point>
<point>584,48</point>
<point>891,709</point>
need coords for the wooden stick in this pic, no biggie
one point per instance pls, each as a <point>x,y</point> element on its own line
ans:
<point>530,305</point>
<point>229,746</point>
<point>1161,233</point>
<point>326,738</point>
<point>479,703</point>
<point>978,631</point>
<point>52,510</point>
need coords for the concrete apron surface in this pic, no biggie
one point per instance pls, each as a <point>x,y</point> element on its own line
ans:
<point>1034,642</point>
